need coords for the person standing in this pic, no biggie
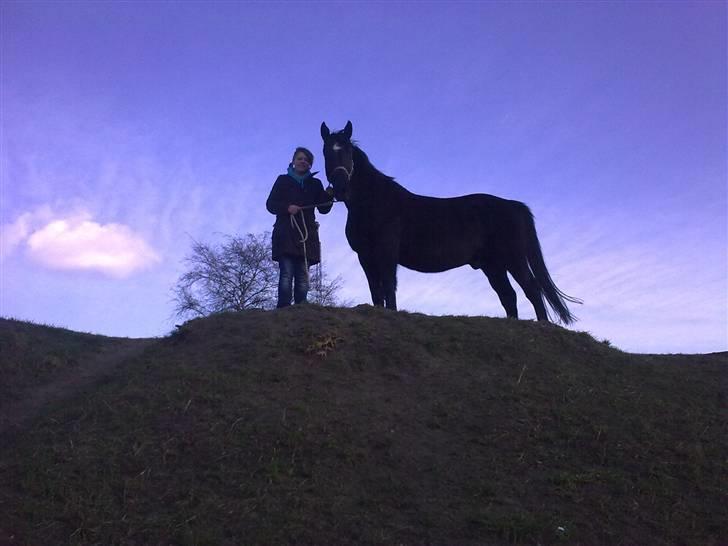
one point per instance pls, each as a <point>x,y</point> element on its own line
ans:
<point>296,244</point>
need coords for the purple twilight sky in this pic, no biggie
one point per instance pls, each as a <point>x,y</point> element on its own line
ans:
<point>129,128</point>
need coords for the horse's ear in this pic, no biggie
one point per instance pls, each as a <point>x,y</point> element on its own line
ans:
<point>348,130</point>
<point>324,130</point>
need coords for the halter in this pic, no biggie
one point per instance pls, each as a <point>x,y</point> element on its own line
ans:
<point>348,172</point>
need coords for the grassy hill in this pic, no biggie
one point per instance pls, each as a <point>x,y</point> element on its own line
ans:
<point>310,425</point>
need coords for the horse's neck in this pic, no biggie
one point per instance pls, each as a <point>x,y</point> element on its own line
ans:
<point>370,186</point>
<point>372,189</point>
<point>374,199</point>
<point>368,179</point>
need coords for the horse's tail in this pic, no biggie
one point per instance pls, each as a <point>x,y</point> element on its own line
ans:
<point>555,298</point>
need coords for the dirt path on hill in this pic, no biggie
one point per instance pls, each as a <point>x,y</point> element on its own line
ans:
<point>17,415</point>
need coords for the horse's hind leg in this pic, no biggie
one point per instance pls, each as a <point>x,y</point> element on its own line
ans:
<point>389,285</point>
<point>498,278</point>
<point>523,276</point>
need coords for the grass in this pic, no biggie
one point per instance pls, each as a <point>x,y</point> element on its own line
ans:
<point>310,425</point>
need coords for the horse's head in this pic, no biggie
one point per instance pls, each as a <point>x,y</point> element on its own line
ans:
<point>339,158</point>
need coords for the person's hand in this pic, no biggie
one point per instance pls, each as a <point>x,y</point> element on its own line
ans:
<point>293,209</point>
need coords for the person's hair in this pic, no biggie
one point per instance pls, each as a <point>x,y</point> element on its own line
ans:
<point>306,152</point>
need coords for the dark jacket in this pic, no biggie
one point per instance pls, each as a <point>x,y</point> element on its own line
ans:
<point>286,239</point>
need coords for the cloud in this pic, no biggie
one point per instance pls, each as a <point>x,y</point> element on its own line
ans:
<point>12,235</point>
<point>77,243</point>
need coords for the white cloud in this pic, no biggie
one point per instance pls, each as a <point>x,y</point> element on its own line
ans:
<point>76,242</point>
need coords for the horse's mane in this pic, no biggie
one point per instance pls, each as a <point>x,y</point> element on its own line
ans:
<point>365,166</point>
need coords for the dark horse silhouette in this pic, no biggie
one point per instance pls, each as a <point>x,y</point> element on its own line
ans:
<point>388,225</point>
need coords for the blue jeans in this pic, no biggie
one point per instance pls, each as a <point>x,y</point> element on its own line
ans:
<point>292,268</point>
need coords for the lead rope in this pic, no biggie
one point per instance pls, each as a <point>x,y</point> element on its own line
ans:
<point>304,236</point>
<point>304,232</point>
<point>320,267</point>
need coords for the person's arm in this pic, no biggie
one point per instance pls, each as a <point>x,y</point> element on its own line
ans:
<point>324,197</point>
<point>276,203</point>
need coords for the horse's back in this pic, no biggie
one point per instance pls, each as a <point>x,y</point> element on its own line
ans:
<point>459,214</point>
<point>441,233</point>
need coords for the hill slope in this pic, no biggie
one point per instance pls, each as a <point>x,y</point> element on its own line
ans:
<point>362,426</point>
<point>34,355</point>
<point>43,364</point>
